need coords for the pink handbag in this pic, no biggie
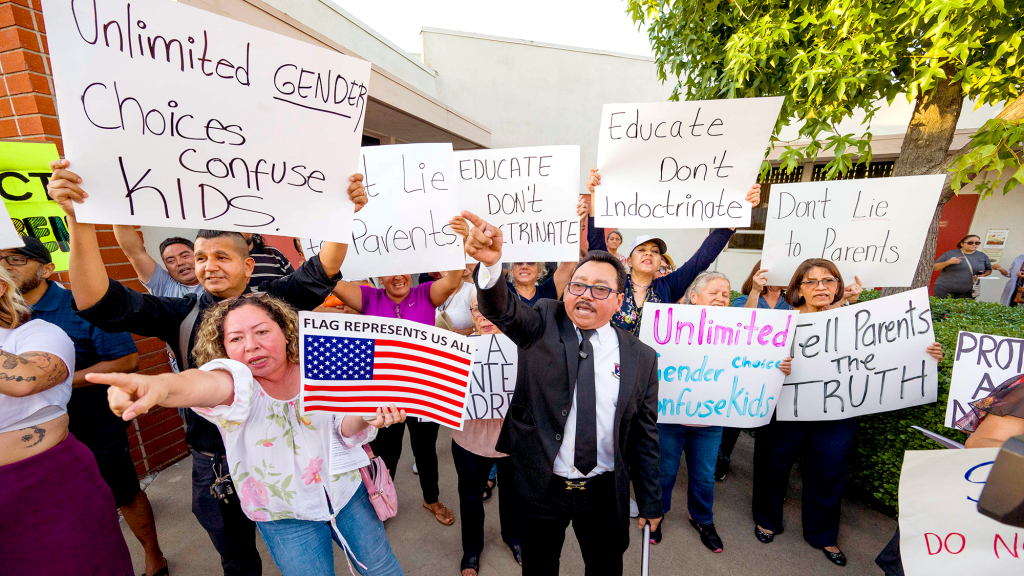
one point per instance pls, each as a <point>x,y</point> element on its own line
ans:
<point>378,484</point>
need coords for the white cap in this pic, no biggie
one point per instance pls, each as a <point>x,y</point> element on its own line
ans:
<point>647,238</point>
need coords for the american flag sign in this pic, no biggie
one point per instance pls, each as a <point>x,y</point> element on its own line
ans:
<point>355,364</point>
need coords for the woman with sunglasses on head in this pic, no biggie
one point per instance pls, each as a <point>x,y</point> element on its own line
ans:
<point>825,445</point>
<point>960,269</point>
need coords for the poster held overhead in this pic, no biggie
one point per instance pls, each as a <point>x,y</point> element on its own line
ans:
<point>495,370</point>
<point>174,116</point>
<point>981,364</point>
<point>681,164</point>
<point>24,174</point>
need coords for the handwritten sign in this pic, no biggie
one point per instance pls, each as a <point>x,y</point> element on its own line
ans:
<point>530,193</point>
<point>681,164</point>
<point>174,116</point>
<point>861,359</point>
<point>872,228</point>
<point>494,377</point>
<point>941,531</point>
<point>24,173</point>
<point>982,363</point>
<point>718,366</point>
<point>354,365</point>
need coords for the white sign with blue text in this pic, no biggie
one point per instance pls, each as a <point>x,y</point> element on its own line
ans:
<point>718,366</point>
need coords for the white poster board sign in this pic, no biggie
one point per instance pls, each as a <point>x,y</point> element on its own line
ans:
<point>982,363</point>
<point>530,193</point>
<point>494,377</point>
<point>177,117</point>
<point>718,366</point>
<point>681,164</point>
<point>861,359</point>
<point>941,531</point>
<point>873,228</point>
<point>9,237</point>
<point>354,365</point>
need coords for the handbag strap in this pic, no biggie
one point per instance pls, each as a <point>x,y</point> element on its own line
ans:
<point>968,260</point>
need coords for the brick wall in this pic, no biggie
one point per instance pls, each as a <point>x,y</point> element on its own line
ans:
<point>28,112</point>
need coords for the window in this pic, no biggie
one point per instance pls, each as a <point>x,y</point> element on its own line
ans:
<point>753,238</point>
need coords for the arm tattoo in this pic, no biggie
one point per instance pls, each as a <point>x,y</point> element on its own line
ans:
<point>54,370</point>
<point>36,432</point>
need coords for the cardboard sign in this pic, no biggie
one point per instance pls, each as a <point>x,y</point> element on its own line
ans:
<point>356,364</point>
<point>981,364</point>
<point>24,174</point>
<point>681,164</point>
<point>494,377</point>
<point>861,359</point>
<point>873,228</point>
<point>531,194</point>
<point>718,366</point>
<point>941,531</point>
<point>174,116</point>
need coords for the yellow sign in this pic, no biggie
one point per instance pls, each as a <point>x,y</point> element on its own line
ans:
<point>24,173</point>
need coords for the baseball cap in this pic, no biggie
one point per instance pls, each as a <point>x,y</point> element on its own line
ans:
<point>648,238</point>
<point>34,249</point>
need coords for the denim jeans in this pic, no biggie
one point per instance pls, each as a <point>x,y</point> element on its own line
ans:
<point>701,448</point>
<point>303,547</point>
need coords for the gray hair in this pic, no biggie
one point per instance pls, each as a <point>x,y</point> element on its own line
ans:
<point>542,272</point>
<point>701,281</point>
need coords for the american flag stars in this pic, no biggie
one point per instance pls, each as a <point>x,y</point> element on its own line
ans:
<point>336,358</point>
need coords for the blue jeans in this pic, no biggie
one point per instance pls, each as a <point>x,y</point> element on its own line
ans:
<point>303,547</point>
<point>701,447</point>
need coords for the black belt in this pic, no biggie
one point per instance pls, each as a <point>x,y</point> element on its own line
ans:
<point>578,483</point>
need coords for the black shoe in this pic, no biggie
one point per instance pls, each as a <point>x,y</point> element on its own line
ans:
<point>721,468</point>
<point>470,563</point>
<point>656,534</point>
<point>517,552</point>
<point>837,558</point>
<point>762,536</point>
<point>708,535</point>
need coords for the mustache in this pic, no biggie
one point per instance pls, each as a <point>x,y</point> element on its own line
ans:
<point>586,304</point>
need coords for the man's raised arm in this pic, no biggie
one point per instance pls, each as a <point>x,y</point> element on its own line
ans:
<point>131,243</point>
<point>332,254</point>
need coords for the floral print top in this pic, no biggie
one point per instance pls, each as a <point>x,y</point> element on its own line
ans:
<point>279,457</point>
<point>629,316</point>
<point>1006,400</point>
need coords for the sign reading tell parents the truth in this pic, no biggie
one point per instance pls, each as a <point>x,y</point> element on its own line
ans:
<point>681,164</point>
<point>861,359</point>
<point>871,228</point>
<point>530,193</point>
<point>718,365</point>
<point>174,116</point>
<point>981,364</point>
<point>941,531</point>
<point>495,370</point>
<point>355,364</point>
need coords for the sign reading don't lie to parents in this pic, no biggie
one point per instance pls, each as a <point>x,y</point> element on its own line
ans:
<point>681,164</point>
<point>174,116</point>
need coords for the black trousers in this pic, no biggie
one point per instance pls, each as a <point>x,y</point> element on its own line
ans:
<point>232,533</point>
<point>729,438</point>
<point>825,447</point>
<point>595,519</point>
<point>473,471</point>
<point>423,437</point>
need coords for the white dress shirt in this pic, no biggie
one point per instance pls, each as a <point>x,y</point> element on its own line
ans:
<point>606,375</point>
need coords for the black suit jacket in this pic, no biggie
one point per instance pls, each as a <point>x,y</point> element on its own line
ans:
<point>548,361</point>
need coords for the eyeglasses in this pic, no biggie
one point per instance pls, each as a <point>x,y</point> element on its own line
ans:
<point>530,264</point>
<point>476,312</point>
<point>972,243</point>
<point>598,292</point>
<point>15,259</point>
<point>826,282</point>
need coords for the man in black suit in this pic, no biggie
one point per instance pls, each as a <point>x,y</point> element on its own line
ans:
<point>582,421</point>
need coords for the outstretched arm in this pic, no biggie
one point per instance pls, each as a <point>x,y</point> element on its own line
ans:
<point>332,254</point>
<point>131,395</point>
<point>442,289</point>
<point>131,243</point>
<point>350,294</point>
<point>124,364</point>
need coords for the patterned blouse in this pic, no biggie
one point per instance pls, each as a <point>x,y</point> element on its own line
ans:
<point>630,315</point>
<point>1006,400</point>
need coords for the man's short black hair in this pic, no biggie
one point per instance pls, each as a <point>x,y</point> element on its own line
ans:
<point>176,240</point>
<point>236,237</point>
<point>607,258</point>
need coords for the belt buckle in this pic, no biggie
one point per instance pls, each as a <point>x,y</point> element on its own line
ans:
<point>579,485</point>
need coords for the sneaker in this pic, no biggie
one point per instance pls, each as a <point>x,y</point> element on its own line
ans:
<point>415,470</point>
<point>634,511</point>
<point>656,534</point>
<point>721,468</point>
<point>708,535</point>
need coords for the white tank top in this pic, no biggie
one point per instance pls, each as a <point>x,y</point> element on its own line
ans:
<point>37,336</point>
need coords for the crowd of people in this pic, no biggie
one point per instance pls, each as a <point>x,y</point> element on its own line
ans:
<point>580,442</point>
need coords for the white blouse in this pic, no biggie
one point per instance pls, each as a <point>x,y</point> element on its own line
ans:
<point>37,336</point>
<point>283,461</point>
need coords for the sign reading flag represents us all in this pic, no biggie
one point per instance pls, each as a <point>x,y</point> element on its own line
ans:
<point>356,364</point>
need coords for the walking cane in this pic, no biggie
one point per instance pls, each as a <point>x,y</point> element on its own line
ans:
<point>645,551</point>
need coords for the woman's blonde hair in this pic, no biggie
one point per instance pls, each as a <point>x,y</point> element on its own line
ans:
<point>210,337</point>
<point>13,310</point>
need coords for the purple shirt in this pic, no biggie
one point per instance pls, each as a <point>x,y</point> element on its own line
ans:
<point>416,306</point>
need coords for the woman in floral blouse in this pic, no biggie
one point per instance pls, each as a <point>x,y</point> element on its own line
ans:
<point>296,475</point>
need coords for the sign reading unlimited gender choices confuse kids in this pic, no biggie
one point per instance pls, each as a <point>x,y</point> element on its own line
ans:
<point>174,116</point>
<point>981,364</point>
<point>354,365</point>
<point>718,365</point>
<point>681,164</point>
<point>495,370</point>
<point>530,193</point>
<point>871,228</point>
<point>941,531</point>
<point>861,359</point>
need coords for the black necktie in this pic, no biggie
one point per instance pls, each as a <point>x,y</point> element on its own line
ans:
<point>586,407</point>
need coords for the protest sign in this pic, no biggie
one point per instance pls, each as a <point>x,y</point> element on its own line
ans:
<point>982,363</point>
<point>24,173</point>
<point>355,364</point>
<point>941,531</point>
<point>494,377</point>
<point>861,359</point>
<point>872,228</point>
<point>681,164</point>
<point>531,194</point>
<point>711,373</point>
<point>174,116</point>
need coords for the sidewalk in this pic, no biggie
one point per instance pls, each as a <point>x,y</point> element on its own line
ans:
<point>426,548</point>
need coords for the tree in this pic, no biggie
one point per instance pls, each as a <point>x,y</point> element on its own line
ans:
<point>833,58</point>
